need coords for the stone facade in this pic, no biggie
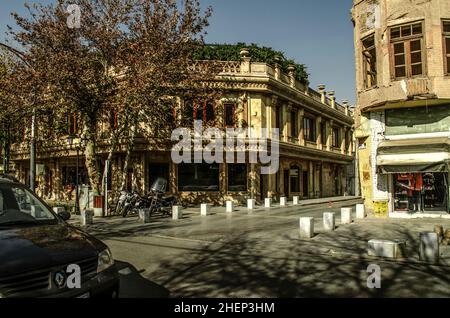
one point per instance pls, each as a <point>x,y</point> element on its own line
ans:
<point>264,97</point>
<point>402,76</point>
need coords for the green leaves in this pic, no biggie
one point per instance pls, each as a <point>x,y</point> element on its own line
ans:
<point>231,52</point>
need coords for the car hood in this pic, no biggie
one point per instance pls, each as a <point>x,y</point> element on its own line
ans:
<point>29,248</point>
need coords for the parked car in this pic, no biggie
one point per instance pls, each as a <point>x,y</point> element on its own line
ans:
<point>37,247</point>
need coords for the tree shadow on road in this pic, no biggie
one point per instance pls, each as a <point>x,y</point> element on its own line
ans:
<point>330,265</point>
<point>134,285</point>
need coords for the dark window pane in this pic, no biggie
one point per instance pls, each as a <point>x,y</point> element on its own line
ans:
<point>229,115</point>
<point>416,45</point>
<point>237,177</point>
<point>278,118</point>
<point>294,176</point>
<point>188,112</point>
<point>400,71</point>
<point>448,65</point>
<point>395,33</point>
<point>447,44</point>
<point>369,42</point>
<point>199,112</point>
<point>417,28</point>
<point>406,30</point>
<point>416,57</point>
<point>446,26</point>
<point>323,133</point>
<point>294,124</point>
<point>309,129</point>
<point>336,137</point>
<point>209,112</point>
<point>400,59</point>
<point>416,69</point>
<point>198,177</point>
<point>399,48</point>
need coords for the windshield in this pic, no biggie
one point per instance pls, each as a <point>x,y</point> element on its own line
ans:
<point>19,206</point>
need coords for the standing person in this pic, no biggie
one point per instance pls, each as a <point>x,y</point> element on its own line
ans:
<point>411,198</point>
<point>418,192</point>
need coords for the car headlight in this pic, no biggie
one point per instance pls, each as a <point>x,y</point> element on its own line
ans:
<point>105,260</point>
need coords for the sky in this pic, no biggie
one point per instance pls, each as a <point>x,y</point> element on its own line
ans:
<point>317,33</point>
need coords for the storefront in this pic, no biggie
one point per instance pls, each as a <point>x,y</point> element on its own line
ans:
<point>417,172</point>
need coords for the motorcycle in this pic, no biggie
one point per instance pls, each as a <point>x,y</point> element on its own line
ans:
<point>131,202</point>
<point>159,201</point>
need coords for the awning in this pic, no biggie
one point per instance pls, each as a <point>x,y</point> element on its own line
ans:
<point>414,155</point>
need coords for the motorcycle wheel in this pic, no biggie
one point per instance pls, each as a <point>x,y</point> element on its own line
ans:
<point>125,211</point>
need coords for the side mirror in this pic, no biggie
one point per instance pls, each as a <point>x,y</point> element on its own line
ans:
<point>64,215</point>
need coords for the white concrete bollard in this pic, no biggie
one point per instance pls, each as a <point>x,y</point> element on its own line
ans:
<point>204,209</point>
<point>144,215</point>
<point>268,203</point>
<point>360,211</point>
<point>388,249</point>
<point>229,206</point>
<point>296,200</point>
<point>346,215</point>
<point>251,203</point>
<point>58,209</point>
<point>306,227</point>
<point>429,247</point>
<point>283,201</point>
<point>87,217</point>
<point>329,221</point>
<point>177,212</point>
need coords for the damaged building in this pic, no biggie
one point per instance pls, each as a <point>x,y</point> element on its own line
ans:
<point>402,121</point>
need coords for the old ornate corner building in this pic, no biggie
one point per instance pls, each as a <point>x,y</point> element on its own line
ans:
<point>316,144</point>
<point>402,124</point>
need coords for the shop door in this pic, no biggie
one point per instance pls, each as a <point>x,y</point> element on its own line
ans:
<point>305,184</point>
<point>286,183</point>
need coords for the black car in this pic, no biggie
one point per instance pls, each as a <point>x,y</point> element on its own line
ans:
<point>43,256</point>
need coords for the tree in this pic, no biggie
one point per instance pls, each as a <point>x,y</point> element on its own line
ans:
<point>126,56</point>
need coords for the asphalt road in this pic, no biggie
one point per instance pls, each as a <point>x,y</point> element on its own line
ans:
<point>260,254</point>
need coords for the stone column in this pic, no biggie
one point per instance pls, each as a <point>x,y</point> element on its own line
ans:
<point>333,99</point>
<point>323,96</point>
<point>329,130</point>
<point>301,129</point>
<point>345,105</point>
<point>318,133</point>
<point>343,134</point>
<point>277,67</point>
<point>291,74</point>
<point>246,61</point>
<point>270,114</point>
<point>350,142</point>
<point>284,121</point>
<point>241,110</point>
<point>254,188</point>
<point>289,121</point>
<point>311,185</point>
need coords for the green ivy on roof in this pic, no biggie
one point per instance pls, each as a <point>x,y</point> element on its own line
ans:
<point>231,52</point>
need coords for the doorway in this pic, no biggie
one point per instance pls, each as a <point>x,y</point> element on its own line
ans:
<point>286,183</point>
<point>159,170</point>
<point>421,192</point>
<point>305,182</point>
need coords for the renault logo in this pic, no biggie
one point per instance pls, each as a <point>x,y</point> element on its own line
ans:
<point>60,279</point>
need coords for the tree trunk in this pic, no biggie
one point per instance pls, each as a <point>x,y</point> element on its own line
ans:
<point>130,145</point>
<point>89,130</point>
